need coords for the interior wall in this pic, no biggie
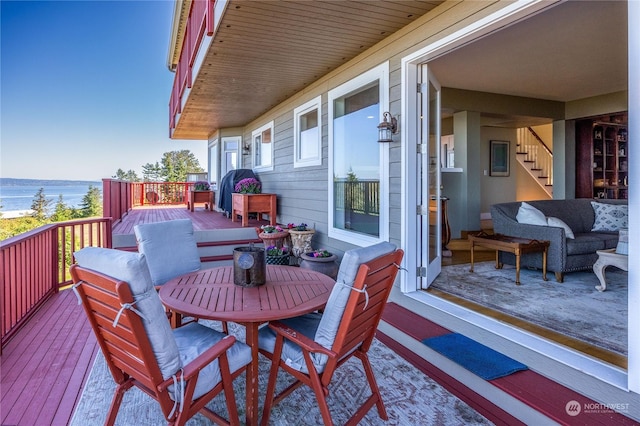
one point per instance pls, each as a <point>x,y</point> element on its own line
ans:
<point>597,105</point>
<point>497,189</point>
<point>545,132</point>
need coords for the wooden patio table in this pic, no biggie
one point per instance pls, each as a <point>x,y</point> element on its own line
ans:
<point>289,291</point>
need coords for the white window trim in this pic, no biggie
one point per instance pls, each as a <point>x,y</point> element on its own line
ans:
<point>297,113</point>
<point>255,146</point>
<point>381,74</point>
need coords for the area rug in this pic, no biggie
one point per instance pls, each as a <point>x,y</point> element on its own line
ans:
<point>475,357</point>
<point>574,307</point>
<point>410,397</point>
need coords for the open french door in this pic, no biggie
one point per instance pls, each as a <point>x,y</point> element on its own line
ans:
<point>429,224</point>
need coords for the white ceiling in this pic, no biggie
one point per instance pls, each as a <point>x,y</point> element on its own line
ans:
<point>572,51</point>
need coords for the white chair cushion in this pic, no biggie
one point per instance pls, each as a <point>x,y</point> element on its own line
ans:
<point>194,339</point>
<point>351,261</point>
<point>291,353</point>
<point>170,248</point>
<point>132,268</point>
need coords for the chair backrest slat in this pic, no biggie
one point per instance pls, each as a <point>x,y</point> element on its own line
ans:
<point>359,323</point>
<point>126,347</point>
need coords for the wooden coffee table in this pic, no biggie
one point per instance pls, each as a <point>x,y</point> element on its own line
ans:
<point>515,245</point>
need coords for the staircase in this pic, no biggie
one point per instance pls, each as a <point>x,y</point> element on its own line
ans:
<point>536,158</point>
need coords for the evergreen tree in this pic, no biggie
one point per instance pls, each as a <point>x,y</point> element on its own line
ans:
<point>129,176</point>
<point>91,205</point>
<point>40,205</point>
<point>132,176</point>
<point>61,211</point>
<point>152,172</point>
<point>176,165</point>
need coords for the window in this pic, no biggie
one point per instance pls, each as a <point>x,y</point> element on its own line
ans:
<point>262,141</point>
<point>358,165</point>
<point>307,147</point>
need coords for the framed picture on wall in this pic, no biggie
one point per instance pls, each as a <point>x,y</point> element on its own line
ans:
<point>499,158</point>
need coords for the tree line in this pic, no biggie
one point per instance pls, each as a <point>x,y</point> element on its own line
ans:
<point>173,167</point>
<point>91,206</point>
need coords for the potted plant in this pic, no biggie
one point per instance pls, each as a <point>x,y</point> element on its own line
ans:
<point>248,186</point>
<point>301,236</point>
<point>320,261</point>
<point>277,255</point>
<point>200,193</point>
<point>201,185</point>
<point>272,235</point>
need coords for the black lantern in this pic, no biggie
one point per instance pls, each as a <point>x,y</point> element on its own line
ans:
<point>387,128</point>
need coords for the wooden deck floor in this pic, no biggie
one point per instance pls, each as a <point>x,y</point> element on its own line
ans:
<point>44,367</point>
<point>203,220</point>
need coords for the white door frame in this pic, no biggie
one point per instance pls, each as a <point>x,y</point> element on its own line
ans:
<point>409,73</point>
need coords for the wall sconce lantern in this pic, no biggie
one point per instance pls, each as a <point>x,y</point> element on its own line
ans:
<point>387,128</point>
<point>246,148</point>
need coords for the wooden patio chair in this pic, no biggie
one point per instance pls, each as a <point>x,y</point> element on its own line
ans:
<point>183,368</point>
<point>171,250</point>
<point>311,347</point>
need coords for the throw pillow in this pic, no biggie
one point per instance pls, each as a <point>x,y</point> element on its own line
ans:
<point>623,242</point>
<point>559,223</point>
<point>610,217</point>
<point>530,215</point>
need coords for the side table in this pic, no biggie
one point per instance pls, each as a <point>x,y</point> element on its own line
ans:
<point>608,258</point>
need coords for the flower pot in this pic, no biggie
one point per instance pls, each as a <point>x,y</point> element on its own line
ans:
<point>324,265</point>
<point>278,260</point>
<point>301,241</point>
<point>273,238</point>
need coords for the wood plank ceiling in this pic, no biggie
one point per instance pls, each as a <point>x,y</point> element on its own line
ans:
<point>266,51</point>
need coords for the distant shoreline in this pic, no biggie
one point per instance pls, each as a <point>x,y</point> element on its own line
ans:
<point>47,182</point>
<point>15,214</point>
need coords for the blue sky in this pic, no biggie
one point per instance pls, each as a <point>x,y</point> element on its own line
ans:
<point>84,88</point>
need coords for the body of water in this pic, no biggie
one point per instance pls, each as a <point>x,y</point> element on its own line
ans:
<point>16,199</point>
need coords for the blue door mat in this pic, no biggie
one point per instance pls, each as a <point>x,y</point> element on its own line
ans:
<point>475,357</point>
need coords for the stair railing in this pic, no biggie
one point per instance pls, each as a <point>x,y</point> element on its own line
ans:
<point>536,157</point>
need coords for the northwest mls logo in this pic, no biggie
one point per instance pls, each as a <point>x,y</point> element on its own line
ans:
<point>573,408</point>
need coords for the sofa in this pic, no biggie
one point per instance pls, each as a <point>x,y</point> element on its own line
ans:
<point>575,228</point>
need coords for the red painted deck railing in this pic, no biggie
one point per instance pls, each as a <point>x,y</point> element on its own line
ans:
<point>119,196</point>
<point>199,23</point>
<point>35,264</point>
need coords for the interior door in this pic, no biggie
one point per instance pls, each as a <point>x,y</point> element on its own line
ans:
<point>429,210</point>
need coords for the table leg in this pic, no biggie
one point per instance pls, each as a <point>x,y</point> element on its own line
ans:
<point>472,245</point>
<point>598,269</point>
<point>245,219</point>
<point>517,267</point>
<point>252,373</point>
<point>544,264</point>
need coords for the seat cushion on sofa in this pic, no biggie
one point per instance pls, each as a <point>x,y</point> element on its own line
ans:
<point>584,244</point>
<point>610,239</point>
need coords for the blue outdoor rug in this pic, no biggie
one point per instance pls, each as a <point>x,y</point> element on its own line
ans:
<point>475,357</point>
